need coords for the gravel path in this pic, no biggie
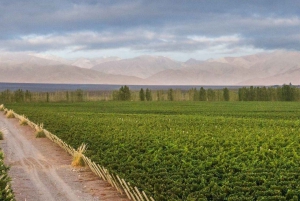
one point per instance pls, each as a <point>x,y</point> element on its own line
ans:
<point>41,170</point>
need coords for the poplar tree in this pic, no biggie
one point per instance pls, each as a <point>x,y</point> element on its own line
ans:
<point>226,94</point>
<point>170,95</point>
<point>124,93</point>
<point>210,95</point>
<point>142,95</point>
<point>148,95</point>
<point>202,94</point>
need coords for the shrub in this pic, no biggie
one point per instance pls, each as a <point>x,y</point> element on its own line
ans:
<point>39,131</point>
<point>78,159</point>
<point>23,120</point>
<point>10,114</point>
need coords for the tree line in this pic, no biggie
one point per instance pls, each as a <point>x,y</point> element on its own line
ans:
<point>279,93</point>
<point>28,96</point>
<point>276,93</point>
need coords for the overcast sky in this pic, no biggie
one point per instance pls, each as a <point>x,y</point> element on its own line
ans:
<point>179,29</point>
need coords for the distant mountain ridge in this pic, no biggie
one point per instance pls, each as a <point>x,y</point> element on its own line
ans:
<point>142,67</point>
<point>20,68</point>
<point>274,68</point>
<point>260,69</point>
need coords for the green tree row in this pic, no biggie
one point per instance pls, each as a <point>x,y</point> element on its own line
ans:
<point>123,94</point>
<point>145,95</point>
<point>278,93</point>
<point>283,93</point>
<point>20,96</point>
<point>209,94</point>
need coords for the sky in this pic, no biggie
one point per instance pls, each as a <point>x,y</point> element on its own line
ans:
<point>178,29</point>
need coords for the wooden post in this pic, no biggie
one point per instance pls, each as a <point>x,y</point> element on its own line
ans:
<point>102,172</point>
<point>117,185</point>
<point>145,196</point>
<point>138,192</point>
<point>134,193</point>
<point>123,187</point>
<point>128,189</point>
<point>98,171</point>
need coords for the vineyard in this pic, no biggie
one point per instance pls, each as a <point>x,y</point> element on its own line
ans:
<point>186,150</point>
<point>6,193</point>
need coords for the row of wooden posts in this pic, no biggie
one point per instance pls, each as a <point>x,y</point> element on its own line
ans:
<point>133,193</point>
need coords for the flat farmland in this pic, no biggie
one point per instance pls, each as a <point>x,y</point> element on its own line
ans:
<point>186,150</point>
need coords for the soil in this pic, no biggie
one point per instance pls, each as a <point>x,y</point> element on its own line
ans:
<point>41,170</point>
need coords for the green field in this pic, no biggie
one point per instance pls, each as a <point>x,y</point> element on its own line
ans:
<point>186,150</point>
<point>6,194</point>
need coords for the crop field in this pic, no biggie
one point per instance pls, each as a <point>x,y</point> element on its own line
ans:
<point>186,150</point>
<point>6,194</point>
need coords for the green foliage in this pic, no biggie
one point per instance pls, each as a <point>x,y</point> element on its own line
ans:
<point>142,95</point>
<point>226,94</point>
<point>194,94</point>
<point>186,150</point>
<point>170,95</point>
<point>28,96</point>
<point>19,95</point>
<point>148,95</point>
<point>211,96</point>
<point>79,95</point>
<point>6,96</point>
<point>288,92</point>
<point>47,97</point>
<point>202,94</point>
<point>6,194</point>
<point>159,95</point>
<point>274,93</point>
<point>283,93</point>
<point>123,94</point>
<point>145,96</point>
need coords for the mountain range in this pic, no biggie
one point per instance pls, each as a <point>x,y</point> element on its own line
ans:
<point>275,68</point>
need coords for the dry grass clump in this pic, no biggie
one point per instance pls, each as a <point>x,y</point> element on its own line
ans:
<point>1,107</point>
<point>10,114</point>
<point>23,120</point>
<point>78,159</point>
<point>39,131</point>
<point>1,135</point>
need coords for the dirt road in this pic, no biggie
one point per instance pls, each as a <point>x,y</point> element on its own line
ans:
<point>41,170</point>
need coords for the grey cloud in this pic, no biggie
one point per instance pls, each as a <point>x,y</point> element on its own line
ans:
<point>162,26</point>
<point>135,40</point>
